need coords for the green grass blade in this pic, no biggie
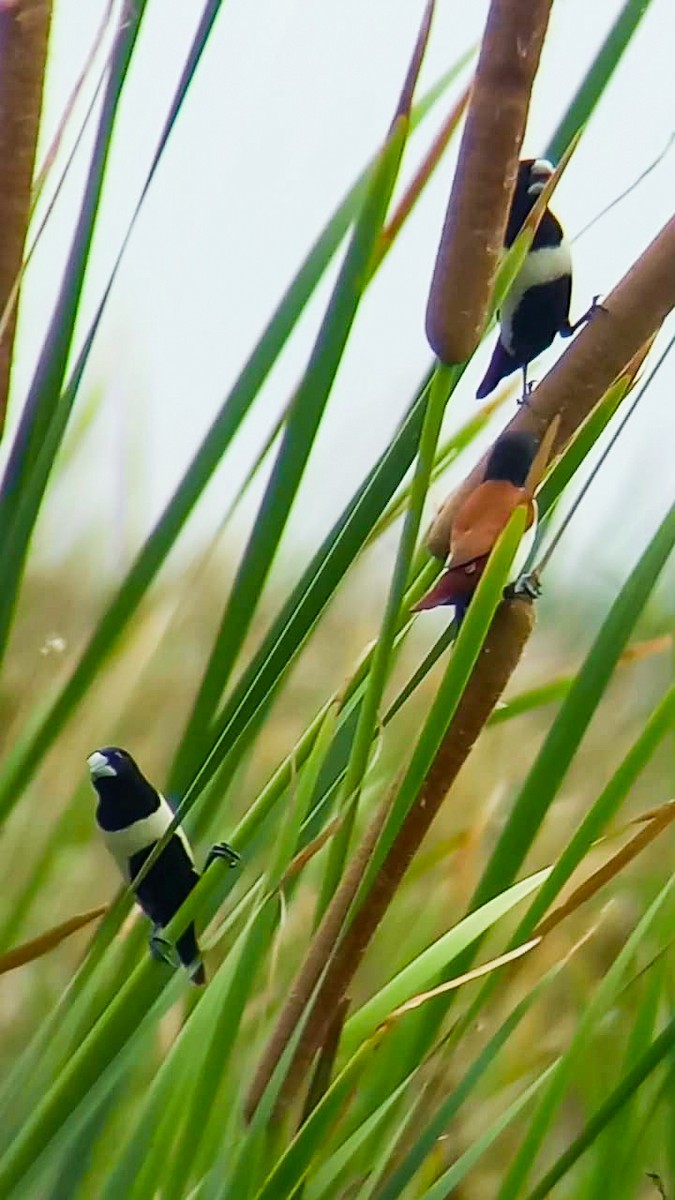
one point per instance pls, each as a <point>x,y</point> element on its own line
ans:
<point>295,1162</point>
<point>659,1051</point>
<point>302,425</point>
<point>437,1125</point>
<point>23,763</point>
<point>460,1169</point>
<point>287,842</point>
<point>515,1179</point>
<point>445,457</point>
<point>50,370</point>
<point>600,72</point>
<point>322,1185</point>
<point>617,1165</point>
<point>364,734</point>
<point>419,974</point>
<point>660,723</point>
<point>472,634</point>
<point>122,1020</point>
<point>300,612</point>
<point>552,762</point>
<point>217,1043</point>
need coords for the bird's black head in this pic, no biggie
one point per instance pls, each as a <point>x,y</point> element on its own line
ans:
<point>120,784</point>
<point>511,458</point>
<point>533,174</point>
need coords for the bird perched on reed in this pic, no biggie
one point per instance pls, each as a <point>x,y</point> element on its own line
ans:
<point>537,305</point>
<point>132,816</point>
<point>509,482</point>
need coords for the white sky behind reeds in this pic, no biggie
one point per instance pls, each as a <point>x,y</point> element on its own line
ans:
<point>289,102</point>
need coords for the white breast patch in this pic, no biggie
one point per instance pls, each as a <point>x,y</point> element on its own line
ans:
<point>540,266</point>
<point>124,843</point>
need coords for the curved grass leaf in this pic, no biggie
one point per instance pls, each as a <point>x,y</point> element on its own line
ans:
<point>597,77</point>
<point>122,1021</point>
<point>425,967</point>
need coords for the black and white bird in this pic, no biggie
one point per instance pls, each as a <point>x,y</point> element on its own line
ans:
<point>537,306</point>
<point>133,816</point>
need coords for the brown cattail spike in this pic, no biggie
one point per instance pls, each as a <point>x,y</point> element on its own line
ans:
<point>475,222</point>
<point>512,625</point>
<point>24,30</point>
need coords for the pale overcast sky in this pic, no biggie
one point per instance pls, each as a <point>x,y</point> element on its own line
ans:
<point>290,100</point>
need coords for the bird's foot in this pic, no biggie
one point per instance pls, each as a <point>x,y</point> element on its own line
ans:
<point>161,949</point>
<point>595,307</point>
<point>527,586</point>
<point>222,850</point>
<point>524,400</point>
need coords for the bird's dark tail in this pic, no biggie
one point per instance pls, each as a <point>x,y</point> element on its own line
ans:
<point>197,973</point>
<point>188,953</point>
<point>501,364</point>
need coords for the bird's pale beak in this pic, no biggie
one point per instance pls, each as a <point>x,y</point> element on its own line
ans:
<point>98,765</point>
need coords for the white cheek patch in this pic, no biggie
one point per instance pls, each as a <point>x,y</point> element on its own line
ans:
<point>540,266</point>
<point>123,844</point>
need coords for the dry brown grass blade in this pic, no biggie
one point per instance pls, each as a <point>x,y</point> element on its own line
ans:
<point>640,650</point>
<point>47,941</point>
<point>472,239</point>
<point>71,102</point>
<point>420,179</point>
<point>477,973</point>
<point>502,649</point>
<point>24,34</point>
<point>304,856</point>
<point>543,457</point>
<point>633,313</point>
<point>659,820</point>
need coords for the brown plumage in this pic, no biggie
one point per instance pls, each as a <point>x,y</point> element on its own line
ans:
<point>482,518</point>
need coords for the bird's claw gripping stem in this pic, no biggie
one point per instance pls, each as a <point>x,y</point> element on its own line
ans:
<point>222,850</point>
<point>527,586</point>
<point>161,950</point>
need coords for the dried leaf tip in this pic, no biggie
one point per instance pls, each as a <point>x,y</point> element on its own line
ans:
<point>406,98</point>
<point>475,222</point>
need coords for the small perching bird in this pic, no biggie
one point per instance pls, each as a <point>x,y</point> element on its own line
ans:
<point>132,816</point>
<point>537,305</point>
<point>507,484</point>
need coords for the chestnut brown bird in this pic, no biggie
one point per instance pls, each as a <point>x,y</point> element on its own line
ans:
<point>482,517</point>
